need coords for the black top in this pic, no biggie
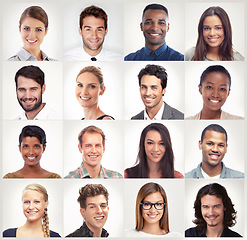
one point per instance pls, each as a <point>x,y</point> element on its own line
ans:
<point>133,172</point>
<point>101,117</point>
<point>84,231</point>
<point>193,232</point>
<point>11,232</point>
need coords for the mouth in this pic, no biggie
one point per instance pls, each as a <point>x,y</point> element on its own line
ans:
<point>85,98</point>
<point>31,41</point>
<point>94,41</point>
<point>31,159</point>
<point>99,218</point>
<point>94,157</point>
<point>214,101</point>
<point>214,156</point>
<point>32,212</point>
<point>154,35</point>
<point>213,40</point>
<point>149,99</point>
<point>212,218</point>
<point>155,155</point>
<point>152,216</point>
<point>28,100</point>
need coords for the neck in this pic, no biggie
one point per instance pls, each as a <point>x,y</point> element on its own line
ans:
<point>153,47</point>
<point>209,114</point>
<point>33,226</point>
<point>36,53</point>
<point>213,53</point>
<point>31,115</point>
<point>212,171</point>
<point>154,171</point>
<point>214,231</point>
<point>31,171</point>
<point>90,52</point>
<point>153,228</point>
<point>92,170</point>
<point>93,112</point>
<point>154,110</point>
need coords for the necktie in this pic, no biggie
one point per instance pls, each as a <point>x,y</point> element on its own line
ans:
<point>94,59</point>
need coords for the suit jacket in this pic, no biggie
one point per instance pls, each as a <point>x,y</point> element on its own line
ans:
<point>168,113</point>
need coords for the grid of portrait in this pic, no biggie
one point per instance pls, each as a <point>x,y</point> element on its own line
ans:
<point>121,100</point>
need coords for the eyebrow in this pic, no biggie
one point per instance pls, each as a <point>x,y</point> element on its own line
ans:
<point>150,19</point>
<point>214,25</point>
<point>214,83</point>
<point>91,27</point>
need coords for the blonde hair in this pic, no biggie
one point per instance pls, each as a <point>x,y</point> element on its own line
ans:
<point>45,219</point>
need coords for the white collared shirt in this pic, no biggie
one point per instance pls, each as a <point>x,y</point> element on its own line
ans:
<point>158,116</point>
<point>78,54</point>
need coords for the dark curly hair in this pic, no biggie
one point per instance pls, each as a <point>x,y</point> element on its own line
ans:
<point>214,189</point>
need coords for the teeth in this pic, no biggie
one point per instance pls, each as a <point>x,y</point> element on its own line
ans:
<point>83,98</point>
<point>152,215</point>
<point>214,101</point>
<point>99,218</point>
<point>214,157</point>
<point>31,158</point>
<point>149,99</point>
<point>31,41</point>
<point>154,34</point>
<point>31,213</point>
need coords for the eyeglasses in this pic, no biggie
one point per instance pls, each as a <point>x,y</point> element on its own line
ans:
<point>148,205</point>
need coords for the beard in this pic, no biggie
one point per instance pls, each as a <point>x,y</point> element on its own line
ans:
<point>34,107</point>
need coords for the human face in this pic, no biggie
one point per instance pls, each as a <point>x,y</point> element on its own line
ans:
<point>154,26</point>
<point>31,150</point>
<point>212,209</point>
<point>151,92</point>
<point>93,33</point>
<point>152,215</point>
<point>92,149</point>
<point>34,205</point>
<point>96,212</point>
<point>213,32</point>
<point>215,89</point>
<point>154,146</point>
<point>88,89</point>
<point>29,93</point>
<point>213,148</point>
<point>32,33</point>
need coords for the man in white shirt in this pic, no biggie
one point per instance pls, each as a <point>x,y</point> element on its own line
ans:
<point>30,86</point>
<point>93,29</point>
<point>152,82</point>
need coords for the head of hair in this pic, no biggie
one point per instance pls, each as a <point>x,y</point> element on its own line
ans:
<point>33,131</point>
<point>225,50</point>
<point>95,12</point>
<point>91,190</point>
<point>91,129</point>
<point>215,189</point>
<point>33,72</point>
<point>155,6</point>
<point>144,191</point>
<point>154,70</point>
<point>35,12</point>
<point>45,220</point>
<point>215,68</point>
<point>215,128</point>
<point>95,71</point>
<point>166,164</point>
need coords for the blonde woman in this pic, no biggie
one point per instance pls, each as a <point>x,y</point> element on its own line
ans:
<point>34,203</point>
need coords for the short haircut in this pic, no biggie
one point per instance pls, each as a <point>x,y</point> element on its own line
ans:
<point>144,191</point>
<point>91,129</point>
<point>91,190</point>
<point>95,12</point>
<point>32,72</point>
<point>215,128</point>
<point>154,70</point>
<point>215,68</point>
<point>155,6</point>
<point>214,189</point>
<point>33,131</point>
<point>96,71</point>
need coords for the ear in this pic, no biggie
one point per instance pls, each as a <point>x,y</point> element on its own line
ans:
<point>82,211</point>
<point>200,145</point>
<point>163,91</point>
<point>200,88</point>
<point>19,148</point>
<point>102,91</point>
<point>168,27</point>
<point>44,147</point>
<point>19,28</point>
<point>46,31</point>
<point>228,92</point>
<point>43,88</point>
<point>106,31</point>
<point>226,148</point>
<point>79,147</point>
<point>141,26</point>
<point>46,204</point>
<point>80,31</point>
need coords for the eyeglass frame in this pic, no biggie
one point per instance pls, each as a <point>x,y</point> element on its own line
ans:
<point>153,204</point>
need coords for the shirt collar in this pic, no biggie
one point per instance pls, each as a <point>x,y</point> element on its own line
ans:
<point>157,52</point>
<point>102,173</point>
<point>158,116</point>
<point>42,114</point>
<point>89,233</point>
<point>24,55</point>
<point>100,56</point>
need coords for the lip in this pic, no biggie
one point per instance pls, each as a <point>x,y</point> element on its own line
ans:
<point>31,159</point>
<point>213,101</point>
<point>31,41</point>
<point>99,218</point>
<point>214,156</point>
<point>152,215</point>
<point>155,155</point>
<point>213,40</point>
<point>154,35</point>
<point>85,98</point>
<point>32,212</point>
<point>148,99</point>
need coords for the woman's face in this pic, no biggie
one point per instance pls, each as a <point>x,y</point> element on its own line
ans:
<point>32,33</point>
<point>213,32</point>
<point>154,146</point>
<point>33,204</point>
<point>153,215</point>
<point>31,150</point>
<point>88,89</point>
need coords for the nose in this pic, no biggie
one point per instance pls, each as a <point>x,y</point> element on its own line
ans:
<point>84,91</point>
<point>215,92</point>
<point>148,91</point>
<point>156,147</point>
<point>210,210</point>
<point>94,34</point>
<point>155,26</point>
<point>99,209</point>
<point>31,33</point>
<point>93,149</point>
<point>31,205</point>
<point>212,31</point>
<point>27,94</point>
<point>215,148</point>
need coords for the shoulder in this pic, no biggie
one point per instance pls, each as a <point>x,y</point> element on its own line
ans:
<point>132,172</point>
<point>229,233</point>
<point>12,175</point>
<point>195,117</point>
<point>74,54</point>
<point>173,112</point>
<point>52,175</point>
<point>14,58</point>
<point>178,174</point>
<point>138,116</point>
<point>189,54</point>
<point>237,56</point>
<point>134,56</point>
<point>193,173</point>
<point>109,55</point>
<point>54,234</point>
<point>227,116</point>
<point>174,55</point>
<point>191,232</point>
<point>231,173</point>
<point>50,113</point>
<point>105,117</point>
<point>11,232</point>
<point>112,174</point>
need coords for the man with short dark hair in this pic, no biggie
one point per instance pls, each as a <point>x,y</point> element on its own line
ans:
<point>92,147</point>
<point>213,144</point>
<point>214,213</point>
<point>155,25</point>
<point>152,82</point>
<point>93,201</point>
<point>93,29</point>
<point>30,86</point>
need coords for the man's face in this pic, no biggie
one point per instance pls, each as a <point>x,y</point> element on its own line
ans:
<point>92,149</point>
<point>96,212</point>
<point>213,147</point>
<point>29,93</point>
<point>151,91</point>
<point>154,26</point>
<point>93,33</point>
<point>212,209</point>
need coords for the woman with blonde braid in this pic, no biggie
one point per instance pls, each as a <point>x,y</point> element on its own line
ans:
<point>34,202</point>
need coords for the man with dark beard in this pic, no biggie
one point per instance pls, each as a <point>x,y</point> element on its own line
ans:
<point>30,85</point>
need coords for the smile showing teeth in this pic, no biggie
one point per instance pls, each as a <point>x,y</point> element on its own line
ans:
<point>214,157</point>
<point>214,101</point>
<point>152,215</point>
<point>28,100</point>
<point>31,212</point>
<point>99,218</point>
<point>84,98</point>
<point>31,158</point>
<point>30,41</point>
<point>154,34</point>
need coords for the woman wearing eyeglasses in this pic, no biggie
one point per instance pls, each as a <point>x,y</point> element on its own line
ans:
<point>151,213</point>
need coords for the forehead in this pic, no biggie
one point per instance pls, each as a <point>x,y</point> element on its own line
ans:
<point>214,136</point>
<point>154,197</point>
<point>87,77</point>
<point>149,80</point>
<point>217,78</point>
<point>211,200</point>
<point>154,14</point>
<point>30,140</point>
<point>27,82</point>
<point>91,21</point>
<point>92,137</point>
<point>33,22</point>
<point>32,194</point>
<point>96,199</point>
<point>153,135</point>
<point>212,20</point>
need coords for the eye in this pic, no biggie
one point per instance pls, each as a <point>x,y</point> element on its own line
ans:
<point>143,87</point>
<point>103,206</point>
<point>222,89</point>
<point>162,23</point>
<point>209,144</point>
<point>221,145</point>
<point>146,204</point>
<point>79,85</point>
<point>34,89</point>
<point>218,28</point>
<point>154,87</point>
<point>37,146</point>
<point>158,204</point>
<point>149,142</point>
<point>26,28</point>
<point>98,145</point>
<point>206,28</point>
<point>25,146</point>
<point>39,30</point>
<point>21,89</point>
<point>162,143</point>
<point>205,206</point>
<point>36,201</point>
<point>148,22</point>
<point>26,202</point>
<point>92,86</point>
<point>209,87</point>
